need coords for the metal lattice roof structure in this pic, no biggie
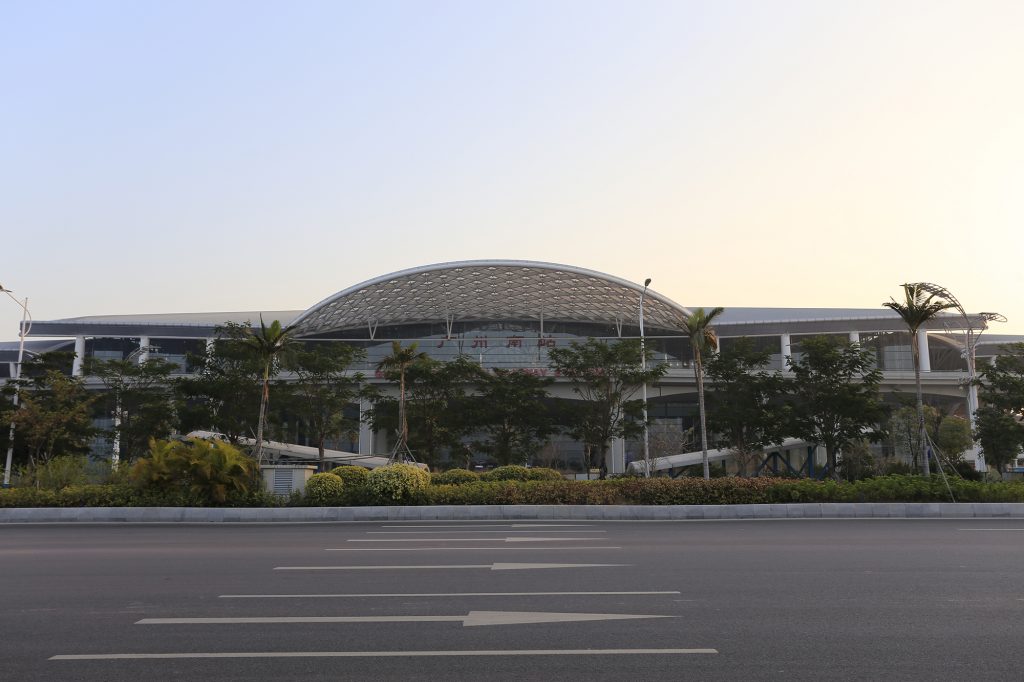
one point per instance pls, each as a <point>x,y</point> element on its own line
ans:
<point>488,290</point>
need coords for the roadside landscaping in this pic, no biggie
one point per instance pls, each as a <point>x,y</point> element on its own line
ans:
<point>408,486</point>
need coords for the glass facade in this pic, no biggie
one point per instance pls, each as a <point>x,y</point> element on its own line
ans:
<point>509,344</point>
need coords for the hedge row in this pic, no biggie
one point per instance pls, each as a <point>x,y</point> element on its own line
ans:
<point>657,491</point>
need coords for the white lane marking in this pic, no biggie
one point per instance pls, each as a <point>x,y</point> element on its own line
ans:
<point>506,530</point>
<point>997,529</point>
<point>493,567</point>
<point>501,525</point>
<point>385,654</point>
<point>511,539</point>
<point>446,594</point>
<point>453,549</point>
<point>471,619</point>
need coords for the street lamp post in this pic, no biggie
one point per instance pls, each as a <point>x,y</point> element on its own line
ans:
<point>26,319</point>
<point>643,367</point>
<point>970,346</point>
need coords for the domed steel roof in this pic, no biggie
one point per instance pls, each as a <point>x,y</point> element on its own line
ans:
<point>488,290</point>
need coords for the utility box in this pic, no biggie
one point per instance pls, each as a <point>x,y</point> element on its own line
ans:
<point>285,479</point>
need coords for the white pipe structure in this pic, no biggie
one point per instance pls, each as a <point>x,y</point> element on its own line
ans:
<point>305,452</point>
<point>26,325</point>
<point>643,368</point>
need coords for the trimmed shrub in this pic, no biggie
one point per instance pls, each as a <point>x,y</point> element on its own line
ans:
<point>323,490</point>
<point>454,477</point>
<point>397,483</point>
<point>544,474</point>
<point>511,472</point>
<point>351,475</point>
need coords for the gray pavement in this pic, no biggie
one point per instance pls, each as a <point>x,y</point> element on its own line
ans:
<point>858,599</point>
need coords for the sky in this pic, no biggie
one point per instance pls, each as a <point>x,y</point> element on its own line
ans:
<point>214,156</point>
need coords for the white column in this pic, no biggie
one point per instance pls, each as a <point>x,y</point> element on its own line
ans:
<point>617,456</point>
<point>76,365</point>
<point>366,435</point>
<point>854,337</point>
<point>144,355</point>
<point>974,453</point>
<point>787,350</point>
<point>922,349</point>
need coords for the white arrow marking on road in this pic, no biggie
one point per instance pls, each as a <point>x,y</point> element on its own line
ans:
<point>384,654</point>
<point>508,539</point>
<point>446,594</point>
<point>493,567</point>
<point>472,619</point>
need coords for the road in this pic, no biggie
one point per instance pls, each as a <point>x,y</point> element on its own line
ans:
<point>568,600</point>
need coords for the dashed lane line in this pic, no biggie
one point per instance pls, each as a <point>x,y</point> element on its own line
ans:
<point>493,567</point>
<point>446,594</point>
<point>387,654</point>
<point>456,549</point>
<point>508,539</point>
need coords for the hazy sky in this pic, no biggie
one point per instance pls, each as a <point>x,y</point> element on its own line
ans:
<point>202,156</point>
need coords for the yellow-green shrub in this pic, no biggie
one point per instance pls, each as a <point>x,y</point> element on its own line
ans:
<point>324,490</point>
<point>397,483</point>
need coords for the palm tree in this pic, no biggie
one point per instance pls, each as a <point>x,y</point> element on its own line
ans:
<point>401,358</point>
<point>918,307</point>
<point>267,344</point>
<point>697,326</point>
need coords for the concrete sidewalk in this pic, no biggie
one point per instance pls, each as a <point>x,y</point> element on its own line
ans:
<point>898,510</point>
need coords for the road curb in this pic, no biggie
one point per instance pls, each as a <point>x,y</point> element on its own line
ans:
<point>825,510</point>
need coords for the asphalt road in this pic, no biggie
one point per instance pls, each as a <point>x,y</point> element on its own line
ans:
<point>714,600</point>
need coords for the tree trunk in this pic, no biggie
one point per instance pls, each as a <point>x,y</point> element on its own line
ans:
<point>921,432</point>
<point>830,456</point>
<point>264,398</point>
<point>323,462</point>
<point>698,367</point>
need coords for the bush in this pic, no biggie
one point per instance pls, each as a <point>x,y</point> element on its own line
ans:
<point>396,483</point>
<point>544,474</point>
<point>351,475</point>
<point>510,472</point>
<point>60,472</point>
<point>324,490</point>
<point>211,471</point>
<point>454,477</point>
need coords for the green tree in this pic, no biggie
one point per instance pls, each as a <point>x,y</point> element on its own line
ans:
<point>395,367</point>
<point>54,415</point>
<point>999,419</point>
<point>917,308</point>
<point>267,345</point>
<point>437,407</point>
<point>703,341</point>
<point>745,401</point>
<point>1001,435</point>
<point>511,410</point>
<point>322,388</point>
<point>605,376</point>
<point>223,394</point>
<point>138,396</point>
<point>834,398</point>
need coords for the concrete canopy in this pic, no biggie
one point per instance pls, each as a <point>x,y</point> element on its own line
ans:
<point>489,290</point>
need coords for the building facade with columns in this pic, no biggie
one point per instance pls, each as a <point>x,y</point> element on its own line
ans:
<point>509,314</point>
